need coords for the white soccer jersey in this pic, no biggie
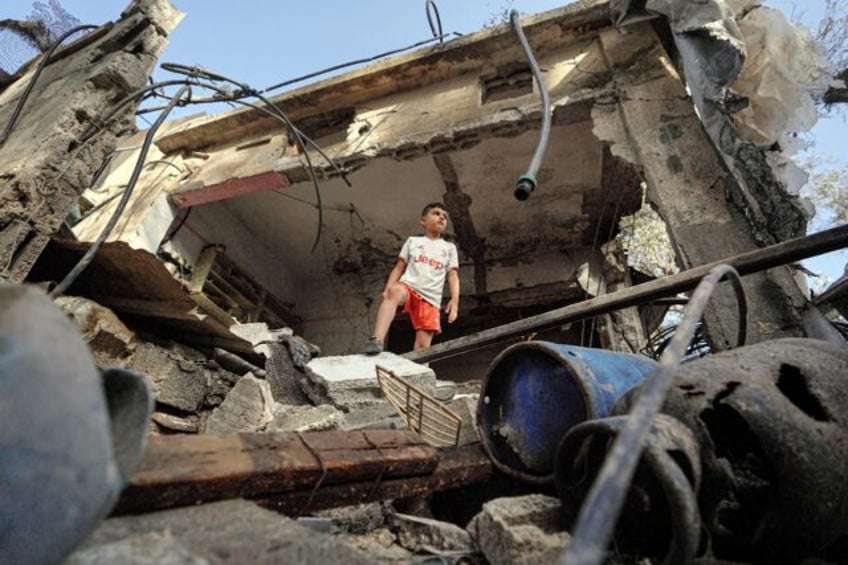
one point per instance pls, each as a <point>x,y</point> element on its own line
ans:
<point>427,264</point>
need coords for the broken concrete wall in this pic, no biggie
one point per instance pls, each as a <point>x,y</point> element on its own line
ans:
<point>460,134</point>
<point>44,166</point>
<point>663,133</point>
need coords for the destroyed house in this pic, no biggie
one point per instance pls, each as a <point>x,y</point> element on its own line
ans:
<point>282,219</point>
<point>226,225</point>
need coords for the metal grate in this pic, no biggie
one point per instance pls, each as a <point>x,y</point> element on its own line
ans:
<point>437,424</point>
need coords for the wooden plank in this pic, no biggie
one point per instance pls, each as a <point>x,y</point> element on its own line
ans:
<point>190,469</point>
<point>458,466</point>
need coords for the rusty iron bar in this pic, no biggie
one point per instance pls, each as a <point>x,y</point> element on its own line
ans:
<point>603,504</point>
<point>745,264</point>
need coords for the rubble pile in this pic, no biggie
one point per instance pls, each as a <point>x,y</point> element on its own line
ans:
<point>296,390</point>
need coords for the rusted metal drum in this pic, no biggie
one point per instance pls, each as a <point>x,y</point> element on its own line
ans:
<point>535,391</point>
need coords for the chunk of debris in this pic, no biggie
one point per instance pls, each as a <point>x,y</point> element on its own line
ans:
<point>110,341</point>
<point>465,406</point>
<point>181,378</point>
<point>288,418</point>
<point>285,356</point>
<point>525,529</point>
<point>356,518</point>
<point>301,351</point>
<point>188,424</point>
<point>380,545</point>
<point>431,536</point>
<point>234,531</point>
<point>285,379</point>
<point>248,407</point>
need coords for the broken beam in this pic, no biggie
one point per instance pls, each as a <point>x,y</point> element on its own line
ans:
<point>182,470</point>
<point>193,195</point>
<point>746,263</point>
<point>458,466</point>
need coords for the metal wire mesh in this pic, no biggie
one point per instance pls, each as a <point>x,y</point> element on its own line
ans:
<point>437,424</point>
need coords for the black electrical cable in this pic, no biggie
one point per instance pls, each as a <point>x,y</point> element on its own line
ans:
<point>226,96</point>
<point>60,288</point>
<point>84,138</point>
<point>300,137</point>
<point>603,504</point>
<point>527,182</point>
<point>46,57</point>
<point>246,89</point>
<point>281,116</point>
<point>356,62</point>
<point>311,170</point>
<point>433,10</point>
<point>171,233</point>
<point>103,203</point>
<point>139,95</point>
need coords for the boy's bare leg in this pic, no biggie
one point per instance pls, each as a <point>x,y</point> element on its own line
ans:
<point>393,298</point>
<point>423,339</point>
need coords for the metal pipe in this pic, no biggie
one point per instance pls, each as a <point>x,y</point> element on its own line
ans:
<point>746,263</point>
<point>90,253</point>
<point>600,511</point>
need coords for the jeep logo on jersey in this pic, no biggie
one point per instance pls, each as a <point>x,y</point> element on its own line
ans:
<point>434,263</point>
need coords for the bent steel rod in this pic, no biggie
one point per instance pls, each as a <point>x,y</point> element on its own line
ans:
<point>745,264</point>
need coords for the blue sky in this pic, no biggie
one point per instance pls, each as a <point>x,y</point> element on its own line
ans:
<point>262,43</point>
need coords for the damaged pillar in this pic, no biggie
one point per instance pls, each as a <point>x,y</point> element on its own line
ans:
<point>43,165</point>
<point>687,182</point>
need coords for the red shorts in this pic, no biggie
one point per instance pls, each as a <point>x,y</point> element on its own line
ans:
<point>424,315</point>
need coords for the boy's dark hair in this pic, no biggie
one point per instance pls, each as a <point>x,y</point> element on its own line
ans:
<point>432,205</point>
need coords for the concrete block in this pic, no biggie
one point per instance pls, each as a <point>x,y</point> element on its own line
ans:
<point>465,406</point>
<point>350,381</point>
<point>177,381</point>
<point>423,534</point>
<point>525,530</point>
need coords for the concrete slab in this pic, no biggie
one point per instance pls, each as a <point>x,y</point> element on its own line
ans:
<point>350,381</point>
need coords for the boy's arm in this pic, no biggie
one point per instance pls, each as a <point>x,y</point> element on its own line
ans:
<point>453,286</point>
<point>394,276</point>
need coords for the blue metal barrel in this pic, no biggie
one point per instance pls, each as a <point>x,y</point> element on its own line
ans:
<point>535,391</point>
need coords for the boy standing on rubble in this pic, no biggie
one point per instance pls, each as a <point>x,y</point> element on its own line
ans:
<point>416,283</point>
